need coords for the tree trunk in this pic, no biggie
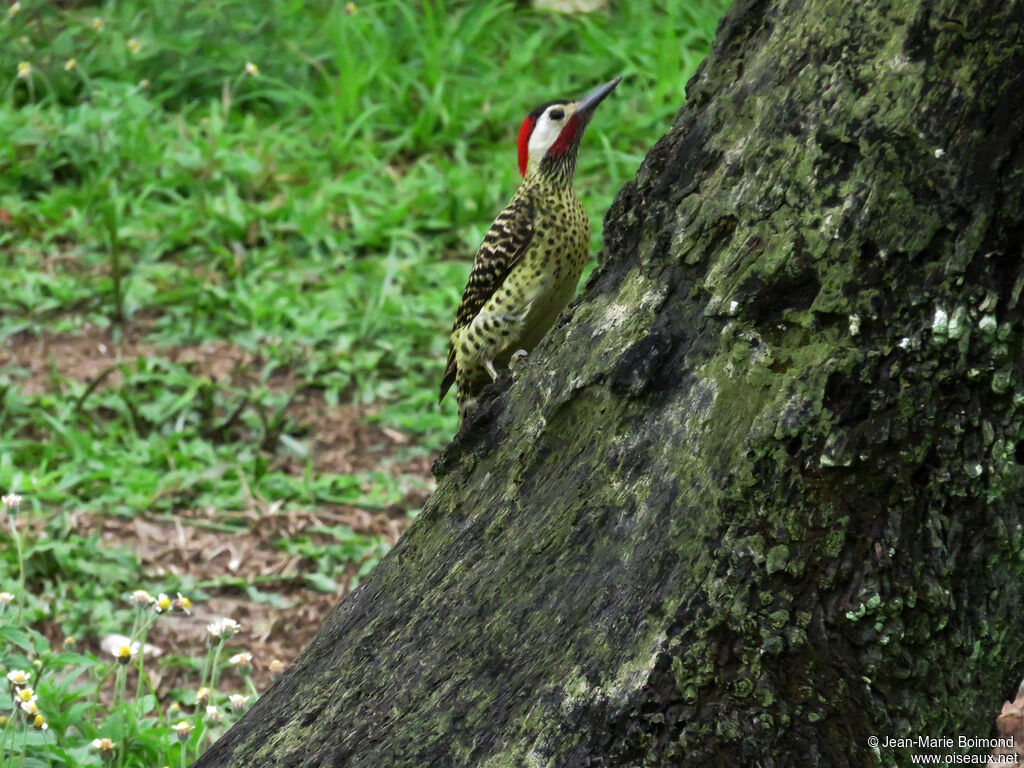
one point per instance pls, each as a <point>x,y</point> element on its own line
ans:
<point>759,497</point>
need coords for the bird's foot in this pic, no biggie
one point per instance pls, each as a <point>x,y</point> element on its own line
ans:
<point>517,361</point>
<point>466,409</point>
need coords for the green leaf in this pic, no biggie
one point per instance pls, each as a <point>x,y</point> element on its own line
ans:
<point>320,582</point>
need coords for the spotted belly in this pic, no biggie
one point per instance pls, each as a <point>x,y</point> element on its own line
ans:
<point>550,273</point>
<point>550,301</point>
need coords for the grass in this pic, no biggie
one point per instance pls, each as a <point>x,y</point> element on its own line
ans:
<point>314,214</point>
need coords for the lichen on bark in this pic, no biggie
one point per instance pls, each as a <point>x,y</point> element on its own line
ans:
<point>758,496</point>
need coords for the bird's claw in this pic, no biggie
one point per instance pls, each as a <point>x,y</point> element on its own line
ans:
<point>516,362</point>
<point>466,409</point>
<point>489,367</point>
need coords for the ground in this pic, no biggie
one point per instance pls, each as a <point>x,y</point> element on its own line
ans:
<point>191,545</point>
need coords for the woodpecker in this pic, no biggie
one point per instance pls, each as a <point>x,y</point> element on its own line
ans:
<point>527,267</point>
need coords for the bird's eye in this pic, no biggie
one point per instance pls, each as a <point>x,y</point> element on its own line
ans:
<point>556,114</point>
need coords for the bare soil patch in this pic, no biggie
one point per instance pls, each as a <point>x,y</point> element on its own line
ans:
<point>225,565</point>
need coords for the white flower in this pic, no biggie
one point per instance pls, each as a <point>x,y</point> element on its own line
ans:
<point>142,598</point>
<point>30,707</point>
<point>25,696</point>
<point>104,746</point>
<point>12,500</point>
<point>6,598</point>
<point>183,729</point>
<point>182,604</point>
<point>162,603</point>
<point>222,629</point>
<point>116,645</point>
<point>96,23</point>
<point>134,45</point>
<point>125,653</point>
<point>39,723</point>
<point>212,713</point>
<point>14,9</point>
<point>70,64</point>
<point>241,660</point>
<point>18,677</point>
<point>251,69</point>
<point>238,701</point>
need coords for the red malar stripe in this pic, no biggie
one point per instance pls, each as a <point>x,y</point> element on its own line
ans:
<point>566,137</point>
<point>525,131</point>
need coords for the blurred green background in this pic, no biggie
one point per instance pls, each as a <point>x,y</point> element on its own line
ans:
<point>233,236</point>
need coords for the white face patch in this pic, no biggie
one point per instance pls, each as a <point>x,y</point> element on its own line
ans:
<point>549,126</point>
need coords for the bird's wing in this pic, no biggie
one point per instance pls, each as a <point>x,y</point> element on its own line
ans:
<point>504,245</point>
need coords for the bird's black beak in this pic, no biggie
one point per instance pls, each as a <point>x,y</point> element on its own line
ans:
<point>587,105</point>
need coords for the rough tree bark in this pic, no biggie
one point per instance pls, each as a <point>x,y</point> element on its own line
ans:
<point>759,496</point>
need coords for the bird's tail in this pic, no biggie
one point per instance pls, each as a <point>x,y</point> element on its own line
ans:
<point>449,376</point>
